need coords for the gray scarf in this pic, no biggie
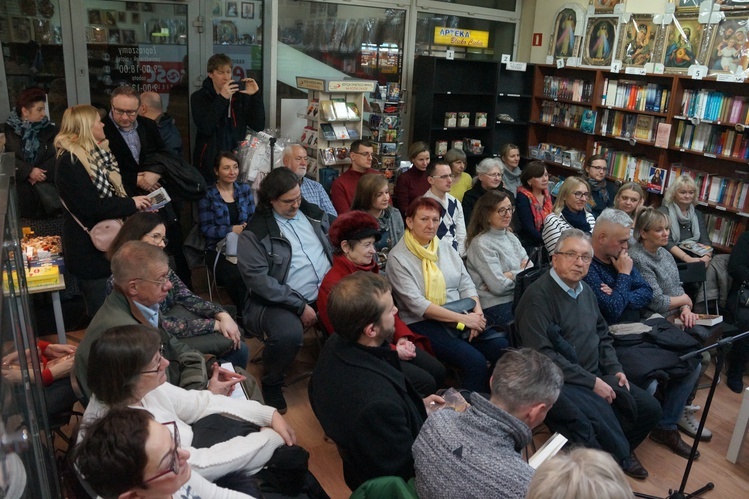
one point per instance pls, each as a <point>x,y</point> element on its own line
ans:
<point>677,220</point>
<point>511,179</point>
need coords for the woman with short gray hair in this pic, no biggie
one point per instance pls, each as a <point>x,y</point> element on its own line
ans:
<point>488,178</point>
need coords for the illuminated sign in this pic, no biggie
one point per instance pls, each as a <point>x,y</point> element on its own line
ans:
<point>461,37</point>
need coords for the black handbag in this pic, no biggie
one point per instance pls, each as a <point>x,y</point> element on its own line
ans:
<point>526,277</point>
<point>49,197</point>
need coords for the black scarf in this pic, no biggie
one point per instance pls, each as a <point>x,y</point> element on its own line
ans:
<point>578,220</point>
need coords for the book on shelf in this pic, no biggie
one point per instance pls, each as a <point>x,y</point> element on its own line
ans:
<point>327,131</point>
<point>644,127</point>
<point>328,112</point>
<point>341,109</point>
<point>588,123</point>
<point>352,111</point>
<point>353,133</point>
<point>313,109</point>
<point>704,320</point>
<point>340,131</point>
<point>656,181</point>
<point>662,135</point>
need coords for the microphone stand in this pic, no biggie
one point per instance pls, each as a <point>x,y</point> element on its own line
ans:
<point>722,347</point>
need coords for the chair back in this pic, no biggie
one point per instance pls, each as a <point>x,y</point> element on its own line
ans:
<point>694,272</point>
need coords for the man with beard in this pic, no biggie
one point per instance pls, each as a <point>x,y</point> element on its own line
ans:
<point>375,415</point>
<point>295,159</point>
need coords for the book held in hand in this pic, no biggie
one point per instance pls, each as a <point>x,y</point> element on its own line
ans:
<point>696,249</point>
<point>704,320</point>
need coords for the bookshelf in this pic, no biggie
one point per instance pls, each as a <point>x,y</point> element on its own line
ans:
<point>334,120</point>
<point>651,128</point>
<point>513,99</point>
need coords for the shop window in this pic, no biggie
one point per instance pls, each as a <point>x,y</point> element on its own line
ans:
<point>489,4</point>
<point>238,33</point>
<point>469,37</point>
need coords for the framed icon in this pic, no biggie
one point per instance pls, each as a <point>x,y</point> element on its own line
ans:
<point>601,33</point>
<point>248,10</point>
<point>637,40</point>
<point>682,43</point>
<point>729,47</point>
<point>231,9</point>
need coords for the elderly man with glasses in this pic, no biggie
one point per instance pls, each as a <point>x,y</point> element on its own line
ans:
<point>141,282</point>
<point>344,187</point>
<point>559,316</point>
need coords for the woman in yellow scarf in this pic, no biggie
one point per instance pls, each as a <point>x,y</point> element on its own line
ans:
<point>427,275</point>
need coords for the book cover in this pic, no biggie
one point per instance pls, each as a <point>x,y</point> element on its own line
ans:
<point>313,109</point>
<point>393,92</point>
<point>388,148</point>
<point>340,131</point>
<point>704,320</point>
<point>547,450</point>
<point>353,133</point>
<point>663,134</point>
<point>464,119</point>
<point>588,124</point>
<point>655,183</point>
<point>328,113</point>
<point>451,120</point>
<point>341,110</point>
<point>353,111</point>
<point>327,131</point>
<point>643,127</point>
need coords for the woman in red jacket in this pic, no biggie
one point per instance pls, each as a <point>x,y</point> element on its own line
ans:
<point>353,236</point>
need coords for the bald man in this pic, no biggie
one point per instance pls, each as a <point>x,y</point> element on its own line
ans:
<point>295,159</point>
<point>151,107</point>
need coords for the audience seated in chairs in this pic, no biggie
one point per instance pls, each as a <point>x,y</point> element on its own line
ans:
<point>495,256</point>
<point>128,454</point>
<point>283,255</point>
<point>413,183</point>
<point>354,237</point>
<point>126,367</point>
<point>141,282</point>
<point>630,198</point>
<point>183,314</point>
<point>533,203</point>
<point>602,191</point>
<point>569,212</point>
<point>225,211</point>
<point>622,292</point>
<point>559,316</point>
<point>295,159</point>
<point>479,449</point>
<point>362,399</point>
<point>458,161</point>
<point>426,274</point>
<point>580,473</point>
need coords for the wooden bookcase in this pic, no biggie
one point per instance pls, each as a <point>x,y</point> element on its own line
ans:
<point>563,97</point>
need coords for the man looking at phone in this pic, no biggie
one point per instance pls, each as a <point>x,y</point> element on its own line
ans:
<point>222,111</point>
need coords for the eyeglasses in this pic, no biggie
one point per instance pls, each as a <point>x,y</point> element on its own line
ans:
<point>581,194</point>
<point>158,368</point>
<point>493,175</point>
<point>289,202</point>
<point>120,112</point>
<point>365,154</point>
<point>597,168</point>
<point>506,211</point>
<point>160,282</point>
<point>572,257</point>
<point>157,238</point>
<point>443,177</point>
<point>174,464</point>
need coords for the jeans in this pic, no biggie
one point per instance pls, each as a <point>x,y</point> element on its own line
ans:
<point>239,357</point>
<point>471,358</point>
<point>283,332</point>
<point>499,315</point>
<point>675,398</point>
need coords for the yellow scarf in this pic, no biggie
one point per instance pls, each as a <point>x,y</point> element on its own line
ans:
<point>435,289</point>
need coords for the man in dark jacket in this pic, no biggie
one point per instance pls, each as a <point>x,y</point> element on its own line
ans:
<point>357,390</point>
<point>283,255</point>
<point>222,113</point>
<point>152,107</point>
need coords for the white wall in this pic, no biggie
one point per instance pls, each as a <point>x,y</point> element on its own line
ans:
<point>546,14</point>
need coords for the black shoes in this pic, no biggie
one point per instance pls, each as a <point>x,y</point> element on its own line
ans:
<point>273,396</point>
<point>672,440</point>
<point>735,383</point>
<point>634,468</point>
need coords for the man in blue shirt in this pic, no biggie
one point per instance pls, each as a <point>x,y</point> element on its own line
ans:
<point>283,255</point>
<point>295,159</point>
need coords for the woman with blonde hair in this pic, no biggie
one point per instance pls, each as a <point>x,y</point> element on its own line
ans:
<point>510,156</point>
<point>373,196</point>
<point>569,212</point>
<point>630,198</point>
<point>686,223</point>
<point>581,473</point>
<point>90,186</point>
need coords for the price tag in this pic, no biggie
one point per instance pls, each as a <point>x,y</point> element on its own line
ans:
<point>649,67</point>
<point>516,66</point>
<point>658,68</point>
<point>573,62</point>
<point>634,71</point>
<point>506,58</point>
<point>616,66</point>
<point>549,59</point>
<point>697,72</point>
<point>560,63</point>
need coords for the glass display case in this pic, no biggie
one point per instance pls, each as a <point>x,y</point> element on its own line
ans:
<point>27,465</point>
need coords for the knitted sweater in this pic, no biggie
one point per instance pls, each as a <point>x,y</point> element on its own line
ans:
<point>660,271</point>
<point>407,279</point>
<point>171,403</point>
<point>460,186</point>
<point>475,453</point>
<point>490,255</point>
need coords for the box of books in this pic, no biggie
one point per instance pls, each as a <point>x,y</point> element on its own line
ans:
<point>451,119</point>
<point>464,119</point>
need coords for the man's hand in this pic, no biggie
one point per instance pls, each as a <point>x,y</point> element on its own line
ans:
<point>229,89</point>
<point>623,381</point>
<point>280,426</point>
<point>309,316</point>
<point>623,263</point>
<point>226,326</point>
<point>603,390</point>
<point>432,400</point>
<point>56,350</point>
<point>250,86</point>
<point>605,289</point>
<point>149,181</point>
<point>223,381</point>
<point>406,350</point>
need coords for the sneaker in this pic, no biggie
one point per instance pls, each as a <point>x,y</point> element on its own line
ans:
<point>634,468</point>
<point>672,440</point>
<point>688,423</point>
<point>273,396</point>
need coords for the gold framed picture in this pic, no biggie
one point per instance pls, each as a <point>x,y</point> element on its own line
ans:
<point>599,45</point>
<point>637,39</point>
<point>729,47</point>
<point>682,43</point>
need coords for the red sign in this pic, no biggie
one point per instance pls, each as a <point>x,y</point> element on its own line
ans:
<point>537,37</point>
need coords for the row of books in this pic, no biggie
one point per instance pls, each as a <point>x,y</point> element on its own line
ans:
<point>629,125</point>
<point>711,139</point>
<point>626,167</point>
<point>556,113</point>
<point>556,87</point>
<point>714,189</point>
<point>635,95</point>
<point>722,230</point>
<point>332,110</point>
<point>715,106</point>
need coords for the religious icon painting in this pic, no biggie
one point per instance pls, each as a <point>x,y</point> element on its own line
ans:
<point>566,33</point>
<point>637,39</point>
<point>682,44</point>
<point>729,48</point>
<point>599,44</point>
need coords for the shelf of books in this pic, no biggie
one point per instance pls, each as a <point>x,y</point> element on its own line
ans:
<point>651,129</point>
<point>334,120</point>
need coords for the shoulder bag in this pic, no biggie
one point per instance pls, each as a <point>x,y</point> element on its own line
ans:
<point>101,234</point>
<point>526,277</point>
